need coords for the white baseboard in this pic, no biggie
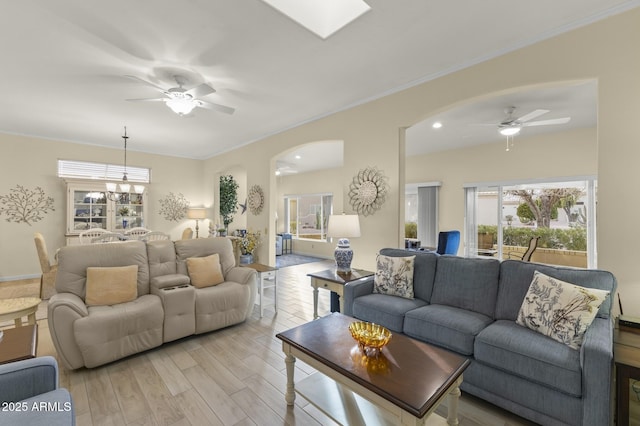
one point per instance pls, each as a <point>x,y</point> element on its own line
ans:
<point>19,277</point>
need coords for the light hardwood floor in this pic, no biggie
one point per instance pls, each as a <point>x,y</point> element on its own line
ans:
<point>234,376</point>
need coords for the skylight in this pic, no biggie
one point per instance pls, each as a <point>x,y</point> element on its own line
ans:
<point>321,17</point>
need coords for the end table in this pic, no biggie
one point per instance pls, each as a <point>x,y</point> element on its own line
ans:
<point>267,278</point>
<point>330,279</point>
<point>626,350</point>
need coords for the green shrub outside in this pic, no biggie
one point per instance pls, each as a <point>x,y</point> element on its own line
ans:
<point>410,230</point>
<point>561,239</point>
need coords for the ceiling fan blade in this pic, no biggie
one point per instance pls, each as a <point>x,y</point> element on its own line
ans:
<point>548,122</point>
<point>532,115</point>
<point>216,107</point>
<point>147,99</point>
<point>201,90</point>
<point>148,83</point>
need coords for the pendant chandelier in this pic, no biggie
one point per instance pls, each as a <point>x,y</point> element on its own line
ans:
<point>112,188</point>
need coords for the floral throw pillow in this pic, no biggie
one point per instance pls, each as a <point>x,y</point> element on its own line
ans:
<point>560,310</point>
<point>394,276</point>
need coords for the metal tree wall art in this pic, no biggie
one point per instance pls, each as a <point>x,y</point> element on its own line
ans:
<point>173,207</point>
<point>24,205</point>
<point>367,191</point>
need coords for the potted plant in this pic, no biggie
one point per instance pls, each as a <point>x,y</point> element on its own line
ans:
<point>228,199</point>
<point>248,244</point>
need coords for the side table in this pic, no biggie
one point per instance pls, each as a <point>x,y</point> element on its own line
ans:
<point>626,351</point>
<point>267,278</point>
<point>15,309</point>
<point>18,343</point>
<point>330,279</point>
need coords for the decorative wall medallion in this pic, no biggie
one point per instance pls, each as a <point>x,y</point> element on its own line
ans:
<point>24,205</point>
<point>173,207</point>
<point>255,199</point>
<point>367,191</point>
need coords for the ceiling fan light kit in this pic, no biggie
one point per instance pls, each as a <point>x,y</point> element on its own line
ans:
<point>511,126</point>
<point>180,100</point>
<point>181,104</point>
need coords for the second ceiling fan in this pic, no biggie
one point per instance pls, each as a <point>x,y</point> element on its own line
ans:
<point>511,126</point>
<point>180,100</point>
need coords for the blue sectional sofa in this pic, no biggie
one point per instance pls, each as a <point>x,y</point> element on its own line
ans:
<point>470,306</point>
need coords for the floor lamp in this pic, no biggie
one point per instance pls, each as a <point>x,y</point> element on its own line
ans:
<point>197,213</point>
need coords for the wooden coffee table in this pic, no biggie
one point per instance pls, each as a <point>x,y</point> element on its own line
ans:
<point>404,385</point>
<point>18,343</point>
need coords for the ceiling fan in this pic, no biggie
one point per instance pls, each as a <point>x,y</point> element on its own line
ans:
<point>183,101</point>
<point>511,126</point>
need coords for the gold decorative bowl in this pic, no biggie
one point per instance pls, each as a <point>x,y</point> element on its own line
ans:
<point>370,337</point>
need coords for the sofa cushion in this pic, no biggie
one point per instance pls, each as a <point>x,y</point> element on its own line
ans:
<point>510,347</point>
<point>201,247</point>
<point>162,258</point>
<point>424,270</point>
<point>394,276</point>
<point>445,326</point>
<point>470,284</point>
<point>385,310</point>
<point>222,305</point>
<point>205,271</point>
<point>74,260</point>
<point>560,310</point>
<point>516,276</point>
<point>111,285</point>
<point>109,333</point>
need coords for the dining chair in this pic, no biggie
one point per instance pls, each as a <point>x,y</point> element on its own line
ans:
<point>109,237</point>
<point>136,233</point>
<point>187,234</point>
<point>155,236</point>
<point>49,270</point>
<point>86,237</point>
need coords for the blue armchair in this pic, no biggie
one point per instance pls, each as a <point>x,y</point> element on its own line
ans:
<point>29,394</point>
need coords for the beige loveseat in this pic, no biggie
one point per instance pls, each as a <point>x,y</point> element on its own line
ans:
<point>88,329</point>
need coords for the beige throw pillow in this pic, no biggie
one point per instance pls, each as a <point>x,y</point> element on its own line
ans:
<point>111,285</point>
<point>560,310</point>
<point>394,276</point>
<point>205,271</point>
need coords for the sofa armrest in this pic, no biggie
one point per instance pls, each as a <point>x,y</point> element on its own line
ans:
<point>596,359</point>
<point>166,281</point>
<point>355,290</point>
<point>25,379</point>
<point>63,310</point>
<point>242,275</point>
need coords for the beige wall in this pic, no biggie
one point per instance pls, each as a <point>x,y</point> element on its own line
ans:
<point>32,162</point>
<point>371,132</point>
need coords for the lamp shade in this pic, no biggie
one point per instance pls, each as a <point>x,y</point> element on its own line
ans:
<point>197,213</point>
<point>343,226</point>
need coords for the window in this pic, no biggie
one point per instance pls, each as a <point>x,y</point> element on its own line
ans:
<point>421,213</point>
<point>307,216</point>
<point>101,171</point>
<point>501,219</point>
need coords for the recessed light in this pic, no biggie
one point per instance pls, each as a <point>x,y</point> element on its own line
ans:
<point>298,157</point>
<point>436,125</point>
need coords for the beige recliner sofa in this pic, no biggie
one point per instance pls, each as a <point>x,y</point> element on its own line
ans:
<point>166,307</point>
